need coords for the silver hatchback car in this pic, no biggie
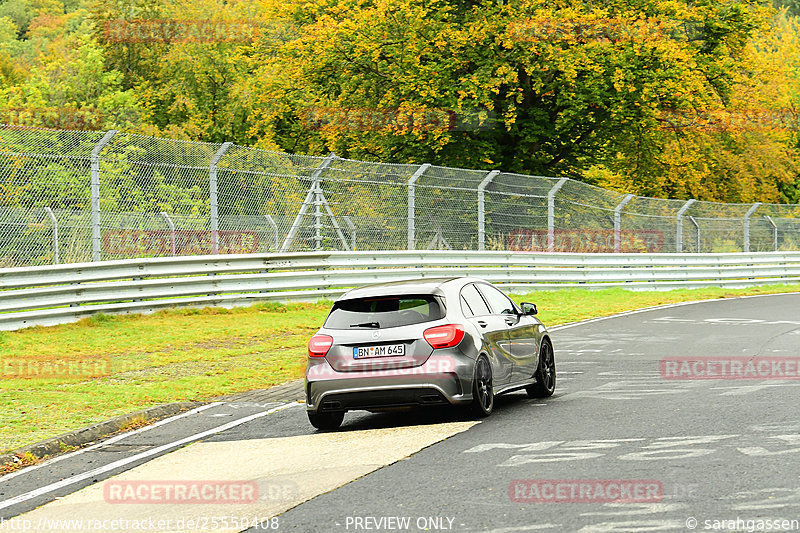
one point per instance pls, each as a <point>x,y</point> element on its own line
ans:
<point>454,341</point>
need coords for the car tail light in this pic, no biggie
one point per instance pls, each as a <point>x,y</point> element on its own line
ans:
<point>319,345</point>
<point>444,336</point>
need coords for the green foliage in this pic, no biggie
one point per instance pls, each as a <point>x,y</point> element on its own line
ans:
<point>19,12</point>
<point>189,86</point>
<point>792,6</point>
<point>574,91</point>
<point>562,100</point>
<point>100,319</point>
<point>271,307</point>
<point>587,90</point>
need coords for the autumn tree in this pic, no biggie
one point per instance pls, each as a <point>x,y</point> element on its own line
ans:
<point>186,61</point>
<point>567,87</point>
<point>741,148</point>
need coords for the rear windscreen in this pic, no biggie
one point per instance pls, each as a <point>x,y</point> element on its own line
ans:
<point>385,312</point>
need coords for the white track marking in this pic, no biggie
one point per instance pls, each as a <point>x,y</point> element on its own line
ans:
<point>111,440</point>
<point>128,460</point>
<point>287,470</point>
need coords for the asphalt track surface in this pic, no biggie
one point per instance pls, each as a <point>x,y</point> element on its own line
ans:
<point>694,454</point>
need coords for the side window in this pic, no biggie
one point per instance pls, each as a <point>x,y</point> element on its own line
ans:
<point>499,302</point>
<point>474,301</point>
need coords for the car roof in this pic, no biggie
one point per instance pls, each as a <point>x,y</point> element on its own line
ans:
<point>409,286</point>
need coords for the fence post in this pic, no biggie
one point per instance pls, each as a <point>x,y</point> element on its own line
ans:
<point>747,225</point>
<point>618,222</point>
<point>697,229</point>
<point>352,232</point>
<point>274,230</point>
<point>213,197</point>
<point>551,214</point>
<point>412,205</point>
<point>679,229</point>
<point>171,225</point>
<point>311,197</point>
<point>774,232</point>
<point>482,208</point>
<point>54,222</point>
<point>95,184</point>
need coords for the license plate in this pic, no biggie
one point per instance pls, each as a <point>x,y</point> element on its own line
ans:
<point>387,350</point>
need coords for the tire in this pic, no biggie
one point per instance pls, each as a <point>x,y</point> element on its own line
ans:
<point>482,389</point>
<point>326,421</point>
<point>545,374</point>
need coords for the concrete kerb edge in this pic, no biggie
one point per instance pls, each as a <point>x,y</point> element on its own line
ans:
<point>81,437</point>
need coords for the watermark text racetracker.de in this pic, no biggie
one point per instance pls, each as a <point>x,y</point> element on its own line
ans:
<point>730,120</point>
<point>66,118</point>
<point>190,492</point>
<point>180,492</point>
<point>761,368</point>
<point>586,491</point>
<point>588,28</point>
<point>376,368</point>
<point>180,31</point>
<point>56,368</point>
<point>395,120</point>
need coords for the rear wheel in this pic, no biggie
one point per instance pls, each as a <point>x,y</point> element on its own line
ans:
<point>328,420</point>
<point>545,375</point>
<point>482,390</point>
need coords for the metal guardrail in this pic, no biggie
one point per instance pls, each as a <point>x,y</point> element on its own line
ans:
<point>48,295</point>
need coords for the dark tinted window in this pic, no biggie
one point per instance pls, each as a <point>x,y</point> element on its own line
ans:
<point>385,312</point>
<point>499,302</point>
<point>473,298</point>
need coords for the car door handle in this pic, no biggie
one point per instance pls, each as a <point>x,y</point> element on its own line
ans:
<point>482,324</point>
<point>511,321</point>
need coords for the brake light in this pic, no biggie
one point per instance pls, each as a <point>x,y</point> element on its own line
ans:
<point>319,345</point>
<point>444,336</point>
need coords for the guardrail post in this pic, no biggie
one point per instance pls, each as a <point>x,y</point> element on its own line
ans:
<point>352,232</point>
<point>95,185</point>
<point>747,225</point>
<point>213,197</point>
<point>274,230</point>
<point>551,214</point>
<point>171,225</point>
<point>311,198</point>
<point>482,208</point>
<point>679,229</point>
<point>412,205</point>
<point>774,232</point>
<point>54,222</point>
<point>697,228</point>
<point>618,222</point>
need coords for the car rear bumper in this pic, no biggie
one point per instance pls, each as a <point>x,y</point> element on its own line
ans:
<point>441,380</point>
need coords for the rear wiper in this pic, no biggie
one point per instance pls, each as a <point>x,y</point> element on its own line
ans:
<point>366,325</point>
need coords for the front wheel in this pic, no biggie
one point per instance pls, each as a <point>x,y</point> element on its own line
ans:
<point>482,390</point>
<point>326,421</point>
<point>545,375</point>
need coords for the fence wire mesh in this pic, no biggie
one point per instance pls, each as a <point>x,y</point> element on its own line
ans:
<point>70,196</point>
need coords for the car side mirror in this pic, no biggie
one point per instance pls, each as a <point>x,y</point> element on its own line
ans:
<point>528,308</point>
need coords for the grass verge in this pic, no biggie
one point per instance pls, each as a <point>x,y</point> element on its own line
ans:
<point>61,378</point>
